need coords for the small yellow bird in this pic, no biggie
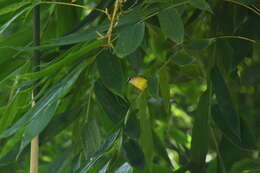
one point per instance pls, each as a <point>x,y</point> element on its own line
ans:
<point>139,82</point>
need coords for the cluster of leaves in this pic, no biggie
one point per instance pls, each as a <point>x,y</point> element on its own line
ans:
<point>198,114</point>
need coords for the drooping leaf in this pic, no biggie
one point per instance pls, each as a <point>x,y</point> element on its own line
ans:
<point>60,162</point>
<point>59,123</point>
<point>51,96</point>
<point>223,124</point>
<point>91,138</point>
<point>114,106</point>
<point>130,38</point>
<point>146,138</point>
<point>200,132</point>
<point>13,7</point>
<point>134,153</point>
<point>246,140</point>
<point>10,69</point>
<point>132,127</point>
<point>164,78</point>
<point>101,151</point>
<point>172,25</point>
<point>110,71</point>
<point>37,124</point>
<point>228,116</point>
<point>7,24</point>
<point>67,59</point>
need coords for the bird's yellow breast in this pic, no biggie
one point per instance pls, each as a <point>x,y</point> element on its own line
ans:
<point>139,82</point>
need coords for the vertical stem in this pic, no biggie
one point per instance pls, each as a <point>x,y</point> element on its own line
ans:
<point>36,67</point>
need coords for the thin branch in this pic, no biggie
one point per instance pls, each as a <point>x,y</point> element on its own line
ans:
<point>256,11</point>
<point>74,5</point>
<point>237,37</point>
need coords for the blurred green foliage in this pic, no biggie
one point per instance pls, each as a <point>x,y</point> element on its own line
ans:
<point>199,113</point>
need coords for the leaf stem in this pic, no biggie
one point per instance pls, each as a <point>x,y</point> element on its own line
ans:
<point>256,11</point>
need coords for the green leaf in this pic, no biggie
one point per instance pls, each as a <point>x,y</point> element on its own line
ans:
<point>101,151</point>
<point>182,169</point>
<point>146,138</point>
<point>69,58</point>
<point>51,96</point>
<point>110,71</point>
<point>201,4</point>
<point>200,131</point>
<point>37,124</point>
<point>125,168</point>
<point>60,162</point>
<point>105,168</point>
<point>223,124</point>
<point>247,139</point>
<point>13,7</point>
<point>67,17</point>
<point>114,106</point>
<point>6,25</point>
<point>134,153</point>
<point>130,38</point>
<point>13,108</point>
<point>11,68</point>
<point>172,25</point>
<point>136,59</point>
<point>246,165</point>
<point>165,88</point>
<point>91,138</point>
<point>182,58</point>
<point>81,36</point>
<point>228,117</point>
<point>199,44</point>
<point>132,127</point>
<point>59,123</point>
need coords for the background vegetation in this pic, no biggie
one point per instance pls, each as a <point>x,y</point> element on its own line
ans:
<point>200,112</point>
